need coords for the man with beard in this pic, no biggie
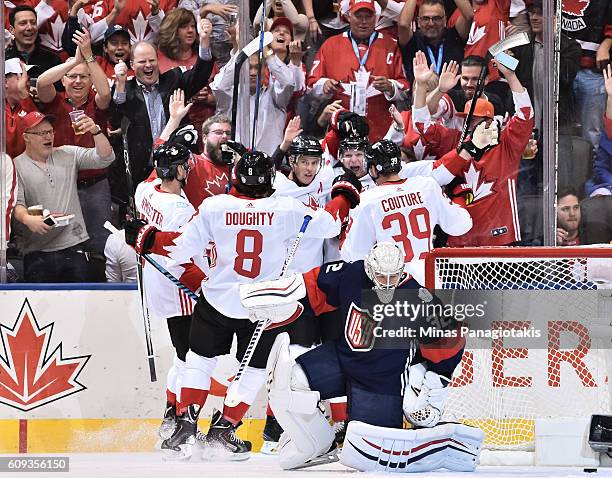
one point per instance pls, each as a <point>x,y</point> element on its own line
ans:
<point>568,217</point>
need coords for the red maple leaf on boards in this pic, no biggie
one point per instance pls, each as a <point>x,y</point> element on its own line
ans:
<point>30,375</point>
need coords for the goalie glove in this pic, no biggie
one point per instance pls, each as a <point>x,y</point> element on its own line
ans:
<point>425,396</point>
<point>483,138</point>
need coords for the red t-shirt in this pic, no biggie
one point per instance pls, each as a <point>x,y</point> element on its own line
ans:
<point>14,129</point>
<point>60,107</point>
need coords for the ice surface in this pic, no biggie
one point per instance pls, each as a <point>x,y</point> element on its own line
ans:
<point>150,465</point>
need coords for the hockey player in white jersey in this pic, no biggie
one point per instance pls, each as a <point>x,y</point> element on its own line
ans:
<point>163,204</point>
<point>404,211</point>
<point>250,232</point>
<point>351,156</point>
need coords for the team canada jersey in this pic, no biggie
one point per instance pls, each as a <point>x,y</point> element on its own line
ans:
<point>336,60</point>
<point>404,212</point>
<point>315,195</point>
<point>249,238</point>
<point>492,178</point>
<point>167,212</point>
<point>588,22</point>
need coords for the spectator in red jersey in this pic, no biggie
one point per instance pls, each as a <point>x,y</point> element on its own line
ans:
<point>441,44</point>
<point>116,48</point>
<point>361,67</point>
<point>568,217</point>
<point>178,46</point>
<point>17,104</point>
<point>26,44</point>
<point>79,75</point>
<point>491,175</point>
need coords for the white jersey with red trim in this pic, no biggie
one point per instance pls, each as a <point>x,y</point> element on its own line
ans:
<point>316,194</point>
<point>250,239</point>
<point>404,212</point>
<point>167,212</point>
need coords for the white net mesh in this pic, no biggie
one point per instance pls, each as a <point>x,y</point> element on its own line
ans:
<point>503,389</point>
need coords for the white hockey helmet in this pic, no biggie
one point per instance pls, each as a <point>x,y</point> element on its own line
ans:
<point>384,265</point>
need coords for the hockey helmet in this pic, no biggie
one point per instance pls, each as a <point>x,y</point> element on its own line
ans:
<point>167,157</point>
<point>305,146</point>
<point>384,265</point>
<point>353,143</point>
<point>253,174</point>
<point>231,151</point>
<point>385,156</point>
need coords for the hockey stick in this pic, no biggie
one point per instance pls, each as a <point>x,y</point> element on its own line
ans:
<point>232,397</point>
<point>147,257</point>
<point>249,49</point>
<point>495,51</point>
<point>125,124</point>
<point>258,78</point>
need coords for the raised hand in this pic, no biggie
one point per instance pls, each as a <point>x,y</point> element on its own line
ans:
<point>292,130</point>
<point>449,76</point>
<point>224,11</point>
<point>422,72</point>
<point>397,117</point>
<point>154,4</point>
<point>82,40</point>
<point>177,106</point>
<point>121,71</point>
<point>313,29</point>
<point>205,31</point>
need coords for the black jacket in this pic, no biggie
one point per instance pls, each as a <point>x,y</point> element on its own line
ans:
<point>139,136</point>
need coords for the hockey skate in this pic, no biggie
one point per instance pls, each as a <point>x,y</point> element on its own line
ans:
<point>222,442</point>
<point>180,445</point>
<point>271,435</point>
<point>340,431</point>
<point>168,424</point>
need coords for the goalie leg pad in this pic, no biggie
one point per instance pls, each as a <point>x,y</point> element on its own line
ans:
<point>307,434</point>
<point>452,446</point>
<point>375,408</point>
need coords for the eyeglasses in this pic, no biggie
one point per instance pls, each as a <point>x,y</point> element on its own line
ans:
<point>47,132</point>
<point>220,132</point>
<point>436,19</point>
<point>74,76</point>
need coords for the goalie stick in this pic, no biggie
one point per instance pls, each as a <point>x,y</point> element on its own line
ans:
<point>249,49</point>
<point>131,210</point>
<point>495,51</point>
<point>233,398</point>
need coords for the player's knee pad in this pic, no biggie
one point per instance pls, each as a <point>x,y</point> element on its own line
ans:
<point>197,371</point>
<point>452,446</point>
<point>295,407</point>
<point>251,382</point>
<point>174,374</point>
<point>375,408</point>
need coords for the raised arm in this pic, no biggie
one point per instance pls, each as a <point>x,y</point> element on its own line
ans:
<point>98,77</point>
<point>44,84</point>
<point>404,23</point>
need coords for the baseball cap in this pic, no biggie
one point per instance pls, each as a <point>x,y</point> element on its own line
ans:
<point>34,118</point>
<point>113,30</point>
<point>278,21</point>
<point>483,108</point>
<point>14,66</point>
<point>355,5</point>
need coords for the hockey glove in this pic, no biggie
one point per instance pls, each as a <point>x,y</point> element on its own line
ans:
<point>462,194</point>
<point>482,139</point>
<point>140,235</point>
<point>425,396</point>
<point>349,186</point>
<point>349,124</point>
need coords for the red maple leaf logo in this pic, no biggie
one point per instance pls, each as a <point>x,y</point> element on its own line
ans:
<point>575,7</point>
<point>30,375</point>
<point>312,203</point>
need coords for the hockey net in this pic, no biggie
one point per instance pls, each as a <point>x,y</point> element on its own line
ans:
<point>504,390</point>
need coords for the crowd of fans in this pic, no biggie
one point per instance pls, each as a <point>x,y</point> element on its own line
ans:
<point>91,85</point>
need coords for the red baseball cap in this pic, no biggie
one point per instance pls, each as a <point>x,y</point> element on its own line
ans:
<point>483,108</point>
<point>34,118</point>
<point>278,21</point>
<point>355,5</point>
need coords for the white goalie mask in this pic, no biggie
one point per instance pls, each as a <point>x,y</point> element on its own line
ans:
<point>384,265</point>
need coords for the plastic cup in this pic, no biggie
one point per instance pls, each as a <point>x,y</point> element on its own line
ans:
<point>75,116</point>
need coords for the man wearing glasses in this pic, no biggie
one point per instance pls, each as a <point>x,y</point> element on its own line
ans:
<point>47,177</point>
<point>440,44</point>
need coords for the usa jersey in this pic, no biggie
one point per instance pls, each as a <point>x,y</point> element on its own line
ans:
<point>404,212</point>
<point>167,212</point>
<point>248,239</point>
<point>316,194</point>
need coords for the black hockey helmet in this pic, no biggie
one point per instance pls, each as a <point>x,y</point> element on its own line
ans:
<point>353,143</point>
<point>305,146</point>
<point>385,156</point>
<point>167,157</point>
<point>231,151</point>
<point>253,174</point>
<point>187,136</point>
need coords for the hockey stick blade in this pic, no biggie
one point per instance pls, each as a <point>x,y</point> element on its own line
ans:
<point>518,39</point>
<point>253,46</point>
